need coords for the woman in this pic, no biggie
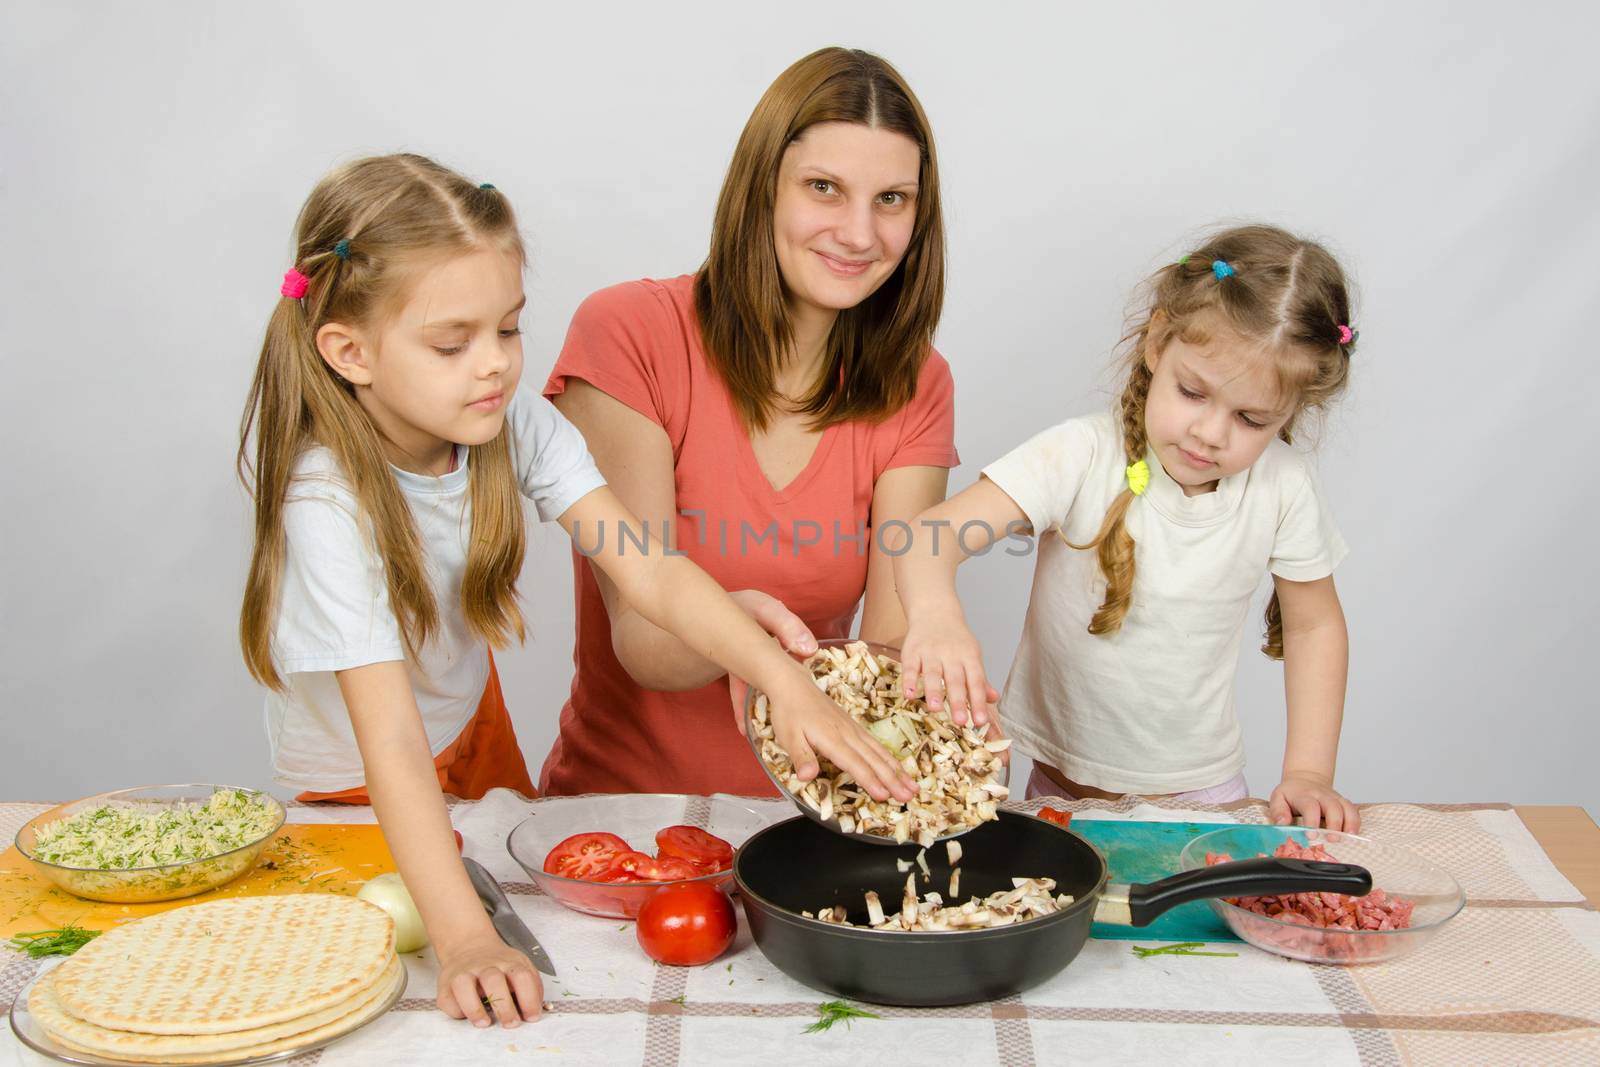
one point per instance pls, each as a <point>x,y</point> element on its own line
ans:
<point>782,411</point>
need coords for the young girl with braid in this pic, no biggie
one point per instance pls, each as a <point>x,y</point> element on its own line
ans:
<point>388,447</point>
<point>1156,524</point>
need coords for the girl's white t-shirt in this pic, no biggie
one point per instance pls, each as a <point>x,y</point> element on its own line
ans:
<point>1148,709</point>
<point>333,608</point>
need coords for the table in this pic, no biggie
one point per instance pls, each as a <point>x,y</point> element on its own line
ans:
<point>1514,978</point>
<point>1572,841</point>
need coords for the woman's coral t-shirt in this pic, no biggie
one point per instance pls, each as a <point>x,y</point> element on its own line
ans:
<point>806,544</point>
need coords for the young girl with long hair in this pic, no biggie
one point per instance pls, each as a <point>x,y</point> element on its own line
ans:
<point>1156,525</point>
<point>387,448</point>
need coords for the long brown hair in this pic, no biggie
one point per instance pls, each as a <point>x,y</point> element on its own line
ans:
<point>362,230</point>
<point>1287,294</point>
<point>875,350</point>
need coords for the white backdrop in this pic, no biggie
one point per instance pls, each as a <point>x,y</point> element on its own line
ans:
<point>152,158</point>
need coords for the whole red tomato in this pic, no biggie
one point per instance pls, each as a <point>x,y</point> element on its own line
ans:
<point>687,925</point>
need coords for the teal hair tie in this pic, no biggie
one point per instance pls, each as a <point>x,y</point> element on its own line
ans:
<point>1220,268</point>
<point>486,185</point>
<point>342,249</point>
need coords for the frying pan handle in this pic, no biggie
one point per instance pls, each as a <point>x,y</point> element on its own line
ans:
<point>1265,876</point>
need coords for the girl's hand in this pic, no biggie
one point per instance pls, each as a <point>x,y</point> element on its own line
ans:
<point>474,964</point>
<point>483,977</point>
<point>1315,801</point>
<point>943,659</point>
<point>807,723</point>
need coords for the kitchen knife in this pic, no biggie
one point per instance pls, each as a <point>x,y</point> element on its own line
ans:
<point>512,930</point>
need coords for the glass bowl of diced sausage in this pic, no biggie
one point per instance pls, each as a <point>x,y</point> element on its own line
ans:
<point>1411,900</point>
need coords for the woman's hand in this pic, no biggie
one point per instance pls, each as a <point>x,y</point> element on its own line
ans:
<point>738,696</point>
<point>1315,801</point>
<point>484,977</point>
<point>772,616</point>
<point>941,658</point>
<point>807,723</point>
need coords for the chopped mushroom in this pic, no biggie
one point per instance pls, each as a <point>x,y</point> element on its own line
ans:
<point>956,769</point>
<point>1031,898</point>
<point>874,909</point>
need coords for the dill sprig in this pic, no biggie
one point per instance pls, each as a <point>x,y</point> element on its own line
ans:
<point>62,942</point>
<point>834,1010</point>
<point>1183,948</point>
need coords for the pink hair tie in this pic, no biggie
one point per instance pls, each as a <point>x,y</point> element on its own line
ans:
<point>294,284</point>
<point>1346,334</point>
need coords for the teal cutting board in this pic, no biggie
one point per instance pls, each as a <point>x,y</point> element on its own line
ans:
<point>1148,852</point>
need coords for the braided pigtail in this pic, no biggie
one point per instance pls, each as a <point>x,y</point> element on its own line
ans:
<point>1113,544</point>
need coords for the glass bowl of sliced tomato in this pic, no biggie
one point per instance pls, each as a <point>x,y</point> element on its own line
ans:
<point>604,854</point>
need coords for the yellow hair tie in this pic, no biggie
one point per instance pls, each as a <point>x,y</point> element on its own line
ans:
<point>1138,477</point>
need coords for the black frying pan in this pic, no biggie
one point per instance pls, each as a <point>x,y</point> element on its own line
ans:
<point>797,866</point>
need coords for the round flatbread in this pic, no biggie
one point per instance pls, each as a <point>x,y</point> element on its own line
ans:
<point>66,1028</point>
<point>376,1004</point>
<point>228,965</point>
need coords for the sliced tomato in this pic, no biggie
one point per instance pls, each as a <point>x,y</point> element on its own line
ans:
<point>1055,815</point>
<point>706,851</point>
<point>584,855</point>
<point>625,866</point>
<point>639,867</point>
<point>671,869</point>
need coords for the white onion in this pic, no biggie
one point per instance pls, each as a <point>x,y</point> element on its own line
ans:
<point>388,892</point>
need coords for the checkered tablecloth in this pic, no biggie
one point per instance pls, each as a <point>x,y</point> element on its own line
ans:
<point>1514,979</point>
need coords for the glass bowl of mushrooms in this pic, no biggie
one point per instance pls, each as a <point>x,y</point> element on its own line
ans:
<point>960,771</point>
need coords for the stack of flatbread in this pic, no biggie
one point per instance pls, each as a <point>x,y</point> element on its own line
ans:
<point>225,980</point>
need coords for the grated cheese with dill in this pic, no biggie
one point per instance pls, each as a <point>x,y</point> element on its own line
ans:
<point>123,836</point>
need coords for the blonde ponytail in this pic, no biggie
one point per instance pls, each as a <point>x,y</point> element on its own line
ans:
<point>357,234</point>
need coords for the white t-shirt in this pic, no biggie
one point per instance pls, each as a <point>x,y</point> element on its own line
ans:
<point>333,608</point>
<point>1148,709</point>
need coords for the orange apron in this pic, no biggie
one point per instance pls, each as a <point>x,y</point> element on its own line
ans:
<point>483,756</point>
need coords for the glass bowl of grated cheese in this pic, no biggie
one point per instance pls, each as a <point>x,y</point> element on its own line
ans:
<point>153,842</point>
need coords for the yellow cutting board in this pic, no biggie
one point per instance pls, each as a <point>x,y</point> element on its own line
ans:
<point>302,858</point>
